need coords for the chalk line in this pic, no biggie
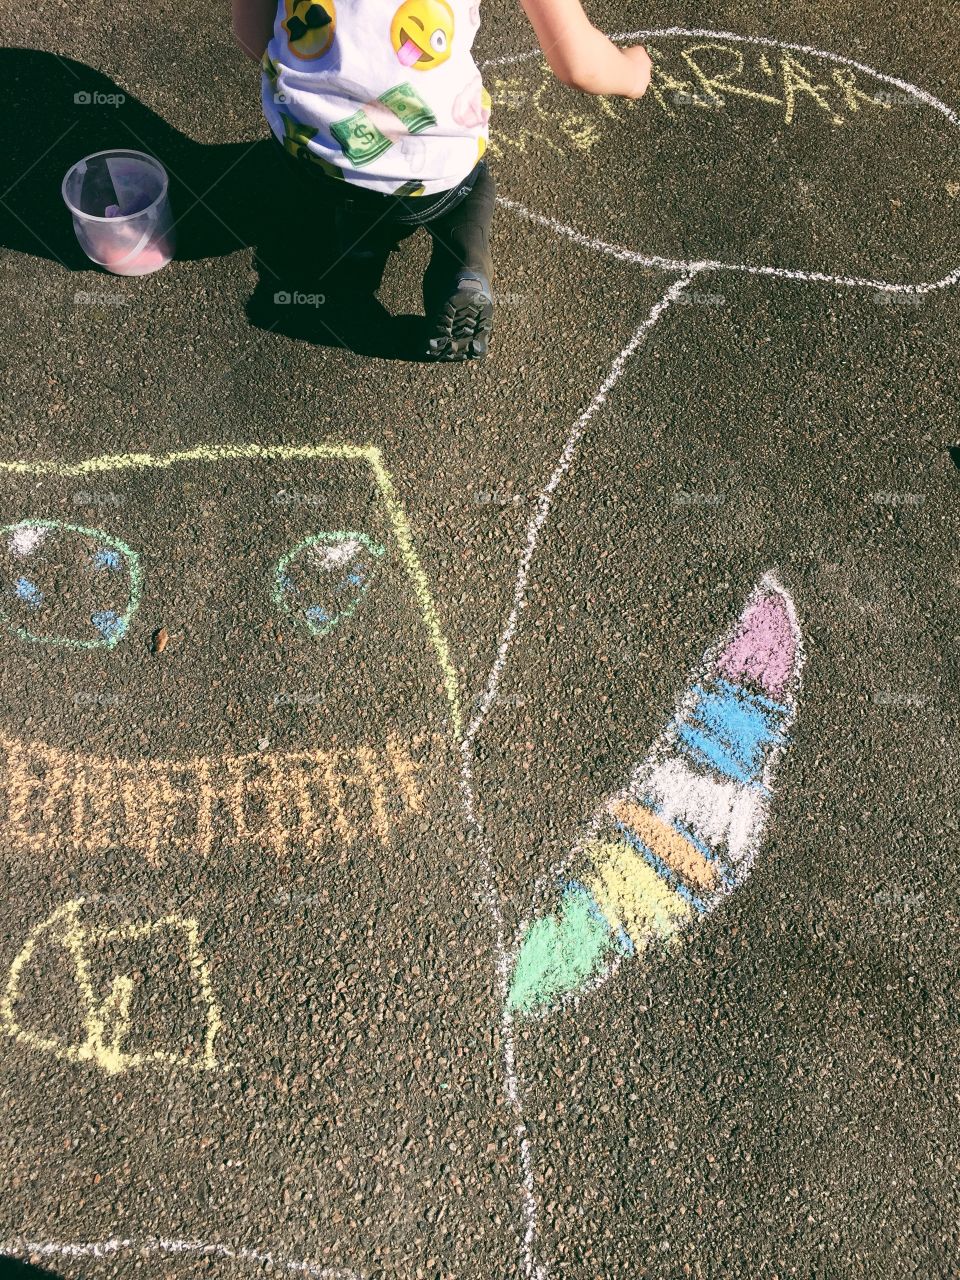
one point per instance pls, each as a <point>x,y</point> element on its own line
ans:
<point>782,273</point>
<point>707,264</point>
<point>767,42</point>
<point>491,900</point>
<point>112,1014</point>
<point>109,1248</point>
<point>28,537</point>
<point>370,455</point>
<point>490,895</point>
<point>545,496</point>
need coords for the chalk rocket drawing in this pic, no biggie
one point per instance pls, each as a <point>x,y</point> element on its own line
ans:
<point>665,851</point>
<point>108,1022</point>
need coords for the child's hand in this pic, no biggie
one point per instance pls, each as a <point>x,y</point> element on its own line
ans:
<point>641,68</point>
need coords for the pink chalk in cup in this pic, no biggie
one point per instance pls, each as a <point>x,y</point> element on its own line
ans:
<point>121,211</point>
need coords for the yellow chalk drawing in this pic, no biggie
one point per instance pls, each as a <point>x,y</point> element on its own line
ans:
<point>662,84</point>
<point>632,896</point>
<point>368,455</point>
<point>707,89</point>
<point>513,94</point>
<point>703,77</point>
<point>853,95</point>
<point>714,87</point>
<point>108,1023</point>
<point>58,801</point>
<point>797,79</point>
<point>581,131</point>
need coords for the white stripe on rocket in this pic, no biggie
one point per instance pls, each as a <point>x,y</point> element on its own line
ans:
<point>727,816</point>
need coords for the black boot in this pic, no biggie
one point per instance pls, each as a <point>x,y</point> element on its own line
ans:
<point>457,295</point>
<point>459,318</point>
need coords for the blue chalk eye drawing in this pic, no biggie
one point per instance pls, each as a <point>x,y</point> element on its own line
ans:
<point>321,582</point>
<point>67,585</point>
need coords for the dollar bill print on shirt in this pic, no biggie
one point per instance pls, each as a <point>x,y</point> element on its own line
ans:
<point>400,110</point>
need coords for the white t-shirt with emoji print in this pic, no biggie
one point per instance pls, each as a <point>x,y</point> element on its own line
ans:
<point>385,95</point>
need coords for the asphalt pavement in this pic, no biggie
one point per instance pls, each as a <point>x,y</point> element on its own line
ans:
<point>318,662</point>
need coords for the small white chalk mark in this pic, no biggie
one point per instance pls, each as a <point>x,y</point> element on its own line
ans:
<point>109,1248</point>
<point>25,538</point>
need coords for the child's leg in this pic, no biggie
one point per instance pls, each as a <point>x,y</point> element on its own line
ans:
<point>337,235</point>
<point>327,245</point>
<point>461,235</point>
<point>364,239</point>
<point>457,294</point>
<point>352,272</point>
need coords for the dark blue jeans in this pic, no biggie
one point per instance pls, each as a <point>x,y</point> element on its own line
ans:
<point>369,225</point>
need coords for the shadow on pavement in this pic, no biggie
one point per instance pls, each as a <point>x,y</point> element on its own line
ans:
<point>225,197</point>
<point>14,1269</point>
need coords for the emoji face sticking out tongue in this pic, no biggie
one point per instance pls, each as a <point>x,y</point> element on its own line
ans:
<point>310,26</point>
<point>422,33</point>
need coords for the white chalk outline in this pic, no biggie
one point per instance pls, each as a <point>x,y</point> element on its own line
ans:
<point>545,496</point>
<point>158,1244</point>
<point>660,263</point>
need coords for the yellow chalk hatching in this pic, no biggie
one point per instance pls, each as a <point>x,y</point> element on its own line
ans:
<point>631,895</point>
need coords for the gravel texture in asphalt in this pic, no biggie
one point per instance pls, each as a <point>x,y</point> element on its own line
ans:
<point>317,658</point>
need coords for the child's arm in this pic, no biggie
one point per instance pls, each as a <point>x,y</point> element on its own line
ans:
<point>253,25</point>
<point>580,55</point>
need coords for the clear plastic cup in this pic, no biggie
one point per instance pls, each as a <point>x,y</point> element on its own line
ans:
<point>121,211</point>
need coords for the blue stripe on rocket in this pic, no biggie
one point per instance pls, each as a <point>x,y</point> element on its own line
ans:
<point>732,730</point>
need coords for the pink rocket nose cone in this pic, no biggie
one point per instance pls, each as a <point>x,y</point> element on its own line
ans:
<point>764,646</point>
<point>408,53</point>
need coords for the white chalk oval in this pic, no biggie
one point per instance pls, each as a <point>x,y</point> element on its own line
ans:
<point>801,152</point>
